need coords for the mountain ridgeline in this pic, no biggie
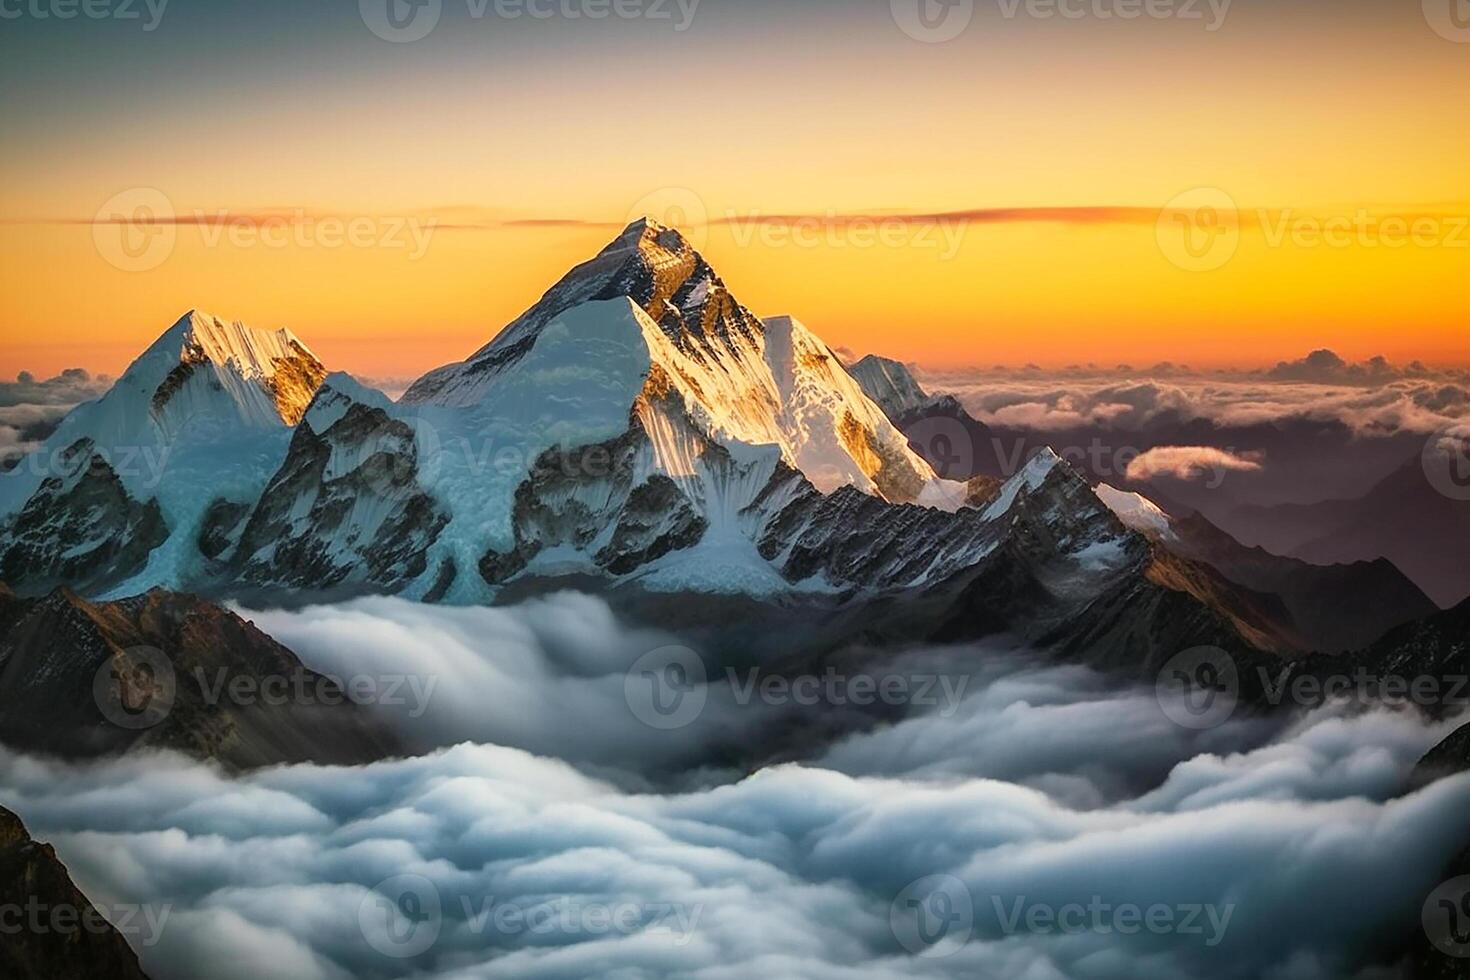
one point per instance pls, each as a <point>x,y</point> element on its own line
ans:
<point>637,431</point>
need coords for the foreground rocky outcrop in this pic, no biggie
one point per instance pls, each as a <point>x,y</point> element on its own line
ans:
<point>52,931</point>
<point>80,679</point>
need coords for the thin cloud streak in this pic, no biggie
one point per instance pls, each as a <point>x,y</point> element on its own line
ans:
<point>467,218</point>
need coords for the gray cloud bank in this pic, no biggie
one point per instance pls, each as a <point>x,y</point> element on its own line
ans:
<point>31,407</point>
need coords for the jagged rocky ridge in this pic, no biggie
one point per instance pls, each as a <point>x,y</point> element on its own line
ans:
<point>1275,603</point>
<point>32,876</point>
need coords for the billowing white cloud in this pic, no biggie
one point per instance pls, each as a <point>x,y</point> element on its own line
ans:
<point>547,676</point>
<point>1188,463</point>
<point>1286,842</point>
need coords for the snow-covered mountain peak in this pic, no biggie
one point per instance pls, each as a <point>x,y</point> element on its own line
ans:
<point>650,264</point>
<point>1137,512</point>
<point>890,384</point>
<point>205,365</point>
<point>206,412</point>
<point>711,367</point>
<point>254,353</point>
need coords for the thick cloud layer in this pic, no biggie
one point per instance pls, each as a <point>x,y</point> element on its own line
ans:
<point>548,676</point>
<point>1053,403</point>
<point>521,867</point>
<point>1051,804</point>
<point>30,408</point>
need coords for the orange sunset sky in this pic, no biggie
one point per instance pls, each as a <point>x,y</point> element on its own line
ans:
<point>1029,173</point>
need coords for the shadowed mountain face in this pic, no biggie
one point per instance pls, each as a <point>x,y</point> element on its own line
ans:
<point>81,679</point>
<point>1404,519</point>
<point>1333,607</point>
<point>1324,493</point>
<point>70,939</point>
<point>1275,602</point>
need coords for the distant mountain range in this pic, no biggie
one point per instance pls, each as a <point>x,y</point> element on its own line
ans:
<point>1276,602</point>
<point>637,430</point>
<point>638,433</point>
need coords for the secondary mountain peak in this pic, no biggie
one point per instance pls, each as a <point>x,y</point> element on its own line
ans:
<point>890,384</point>
<point>270,375</point>
<point>205,411</point>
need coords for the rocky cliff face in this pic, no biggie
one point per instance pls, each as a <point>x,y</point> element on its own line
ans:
<point>81,528</point>
<point>73,938</point>
<point>80,679</point>
<point>345,509</point>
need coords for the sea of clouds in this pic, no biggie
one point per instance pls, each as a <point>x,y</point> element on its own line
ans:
<point>944,843</point>
<point>30,407</point>
<point>1050,402</point>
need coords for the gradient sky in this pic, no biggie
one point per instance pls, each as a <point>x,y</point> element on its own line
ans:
<point>1052,146</point>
